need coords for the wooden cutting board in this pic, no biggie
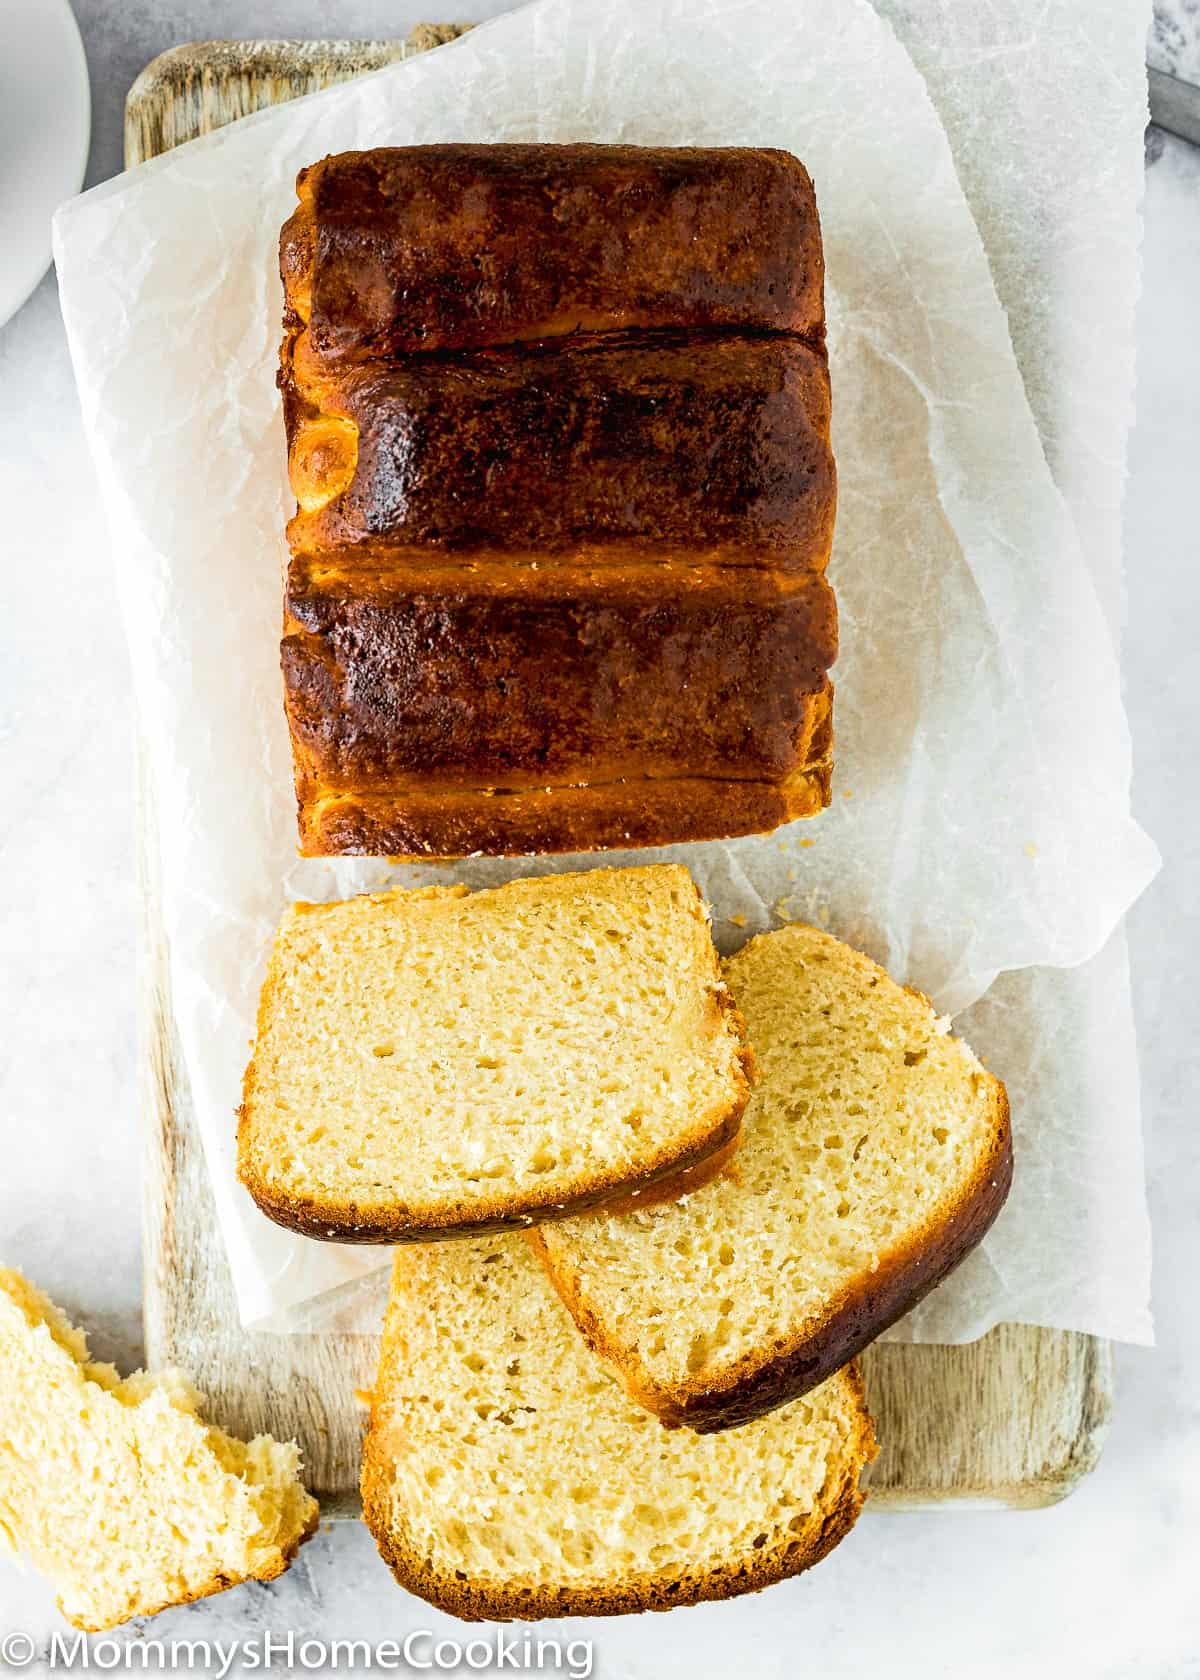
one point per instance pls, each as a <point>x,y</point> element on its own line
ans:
<point>1015,1419</point>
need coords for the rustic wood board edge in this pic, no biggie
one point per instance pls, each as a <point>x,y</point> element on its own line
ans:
<point>192,89</point>
<point>1047,1394</point>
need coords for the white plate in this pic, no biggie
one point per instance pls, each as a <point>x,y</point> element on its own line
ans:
<point>45,124</point>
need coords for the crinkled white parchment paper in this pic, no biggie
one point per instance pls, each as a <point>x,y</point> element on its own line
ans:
<point>1058,207</point>
<point>980,819</point>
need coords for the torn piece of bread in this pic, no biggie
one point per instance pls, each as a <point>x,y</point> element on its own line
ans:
<point>117,1489</point>
<point>438,1062</point>
<point>875,1154</point>
<point>506,1475</point>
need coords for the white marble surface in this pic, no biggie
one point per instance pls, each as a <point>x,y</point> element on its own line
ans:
<point>1102,1586</point>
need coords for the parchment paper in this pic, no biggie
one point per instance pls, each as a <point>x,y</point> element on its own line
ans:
<point>1059,210</point>
<point>980,819</point>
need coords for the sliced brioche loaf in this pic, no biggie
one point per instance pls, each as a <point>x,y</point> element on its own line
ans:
<point>875,1153</point>
<point>507,1475</point>
<point>117,1489</point>
<point>438,1062</point>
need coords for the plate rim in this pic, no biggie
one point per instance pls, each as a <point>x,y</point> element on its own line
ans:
<point>77,77</point>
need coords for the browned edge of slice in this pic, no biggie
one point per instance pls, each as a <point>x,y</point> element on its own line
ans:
<point>853,1319</point>
<point>348,1223</point>
<point>471,1601</point>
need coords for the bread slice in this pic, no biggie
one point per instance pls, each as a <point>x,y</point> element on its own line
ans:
<point>875,1153</point>
<point>117,1489</point>
<point>506,1475</point>
<point>438,1062</point>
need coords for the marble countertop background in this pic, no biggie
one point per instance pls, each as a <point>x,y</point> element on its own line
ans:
<point>1102,1586</point>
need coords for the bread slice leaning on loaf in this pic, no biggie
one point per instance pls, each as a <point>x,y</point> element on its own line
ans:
<point>438,1062</point>
<point>875,1154</point>
<point>506,1475</point>
<point>118,1490</point>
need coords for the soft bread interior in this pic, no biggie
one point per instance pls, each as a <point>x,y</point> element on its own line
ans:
<point>443,1057</point>
<point>869,1130</point>
<point>117,1489</point>
<point>508,1474</point>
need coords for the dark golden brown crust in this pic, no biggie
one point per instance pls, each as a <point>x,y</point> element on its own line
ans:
<point>684,1183</point>
<point>765,1380</point>
<point>602,443</point>
<point>653,443</point>
<point>429,247</point>
<point>495,678</point>
<point>470,713</point>
<point>454,823</point>
<point>788,1554</point>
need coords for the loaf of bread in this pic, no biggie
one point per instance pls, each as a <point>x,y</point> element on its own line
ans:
<point>558,432</point>
<point>875,1154</point>
<point>437,1062</point>
<point>118,1490</point>
<point>507,1476</point>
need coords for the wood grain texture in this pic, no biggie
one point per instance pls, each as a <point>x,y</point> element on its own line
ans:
<point>194,89</point>
<point>1013,1420</point>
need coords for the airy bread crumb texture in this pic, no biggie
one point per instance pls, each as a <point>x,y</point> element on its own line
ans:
<point>507,1474</point>
<point>437,1059</point>
<point>874,1151</point>
<point>117,1489</point>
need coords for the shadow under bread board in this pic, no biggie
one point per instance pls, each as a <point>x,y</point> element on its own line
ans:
<point>1015,1419</point>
